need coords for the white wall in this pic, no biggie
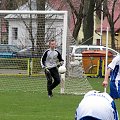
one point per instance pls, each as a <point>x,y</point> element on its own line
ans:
<point>23,35</point>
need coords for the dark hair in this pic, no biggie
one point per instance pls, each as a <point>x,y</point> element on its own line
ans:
<point>52,40</point>
<point>89,118</point>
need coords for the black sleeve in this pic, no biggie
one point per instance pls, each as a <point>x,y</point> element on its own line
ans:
<point>43,59</point>
<point>59,56</point>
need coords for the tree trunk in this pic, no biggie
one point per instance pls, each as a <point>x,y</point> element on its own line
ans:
<point>88,22</point>
<point>110,16</point>
<point>78,23</point>
<point>77,28</point>
<point>112,37</point>
<point>40,27</point>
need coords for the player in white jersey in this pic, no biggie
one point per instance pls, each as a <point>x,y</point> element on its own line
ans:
<point>96,106</point>
<point>113,71</point>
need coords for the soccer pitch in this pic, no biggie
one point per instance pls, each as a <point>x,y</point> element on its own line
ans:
<point>25,98</point>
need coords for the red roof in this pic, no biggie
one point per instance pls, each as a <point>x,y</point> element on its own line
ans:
<point>106,24</point>
<point>105,21</point>
<point>61,5</point>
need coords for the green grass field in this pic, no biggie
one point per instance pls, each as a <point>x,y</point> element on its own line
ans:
<point>23,98</point>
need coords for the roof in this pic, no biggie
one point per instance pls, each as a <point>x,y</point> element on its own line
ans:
<point>105,21</point>
<point>106,24</point>
<point>27,7</point>
<point>62,5</point>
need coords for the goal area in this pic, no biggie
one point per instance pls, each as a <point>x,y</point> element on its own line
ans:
<point>30,32</point>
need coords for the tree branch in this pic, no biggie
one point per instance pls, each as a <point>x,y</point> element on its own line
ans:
<point>117,18</point>
<point>113,9</point>
<point>72,7</point>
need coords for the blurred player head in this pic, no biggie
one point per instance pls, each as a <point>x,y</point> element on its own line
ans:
<point>96,106</point>
<point>52,44</point>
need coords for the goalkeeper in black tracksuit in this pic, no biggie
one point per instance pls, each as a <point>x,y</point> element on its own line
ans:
<point>50,61</point>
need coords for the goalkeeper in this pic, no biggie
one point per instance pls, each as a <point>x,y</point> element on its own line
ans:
<point>96,106</point>
<point>49,61</point>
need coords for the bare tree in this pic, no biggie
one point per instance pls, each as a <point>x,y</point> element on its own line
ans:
<point>29,26</point>
<point>40,27</point>
<point>11,4</point>
<point>78,13</point>
<point>110,7</point>
<point>82,11</point>
<point>7,5</point>
<point>75,11</point>
<point>40,20</point>
<point>88,21</point>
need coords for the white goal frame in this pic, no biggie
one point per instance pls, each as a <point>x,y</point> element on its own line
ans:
<point>73,81</point>
<point>64,35</point>
<point>65,24</point>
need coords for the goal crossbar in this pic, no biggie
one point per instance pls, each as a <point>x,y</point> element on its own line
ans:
<point>31,12</point>
<point>65,23</point>
<point>55,23</point>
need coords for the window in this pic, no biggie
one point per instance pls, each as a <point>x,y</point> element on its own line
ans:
<point>3,48</point>
<point>98,42</point>
<point>94,48</point>
<point>14,33</point>
<point>80,50</point>
<point>111,51</point>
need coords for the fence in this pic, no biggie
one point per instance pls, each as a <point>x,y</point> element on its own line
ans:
<point>16,66</point>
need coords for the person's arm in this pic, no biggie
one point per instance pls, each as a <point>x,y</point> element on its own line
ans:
<point>59,56</point>
<point>61,61</point>
<point>111,66</point>
<point>106,79</point>
<point>43,59</point>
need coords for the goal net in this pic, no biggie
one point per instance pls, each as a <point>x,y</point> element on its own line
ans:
<point>29,32</point>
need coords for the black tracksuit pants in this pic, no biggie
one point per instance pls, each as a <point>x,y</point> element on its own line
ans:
<point>53,79</point>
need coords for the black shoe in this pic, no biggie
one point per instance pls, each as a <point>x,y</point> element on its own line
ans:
<point>50,96</point>
<point>49,92</point>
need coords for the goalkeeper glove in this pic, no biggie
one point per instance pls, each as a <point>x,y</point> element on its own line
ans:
<point>60,64</point>
<point>46,70</point>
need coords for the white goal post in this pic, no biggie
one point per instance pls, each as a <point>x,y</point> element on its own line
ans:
<point>54,24</point>
<point>65,23</point>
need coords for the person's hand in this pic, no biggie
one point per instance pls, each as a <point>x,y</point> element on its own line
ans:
<point>60,64</point>
<point>46,69</point>
<point>105,83</point>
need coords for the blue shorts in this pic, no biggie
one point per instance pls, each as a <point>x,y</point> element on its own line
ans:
<point>89,118</point>
<point>115,89</point>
